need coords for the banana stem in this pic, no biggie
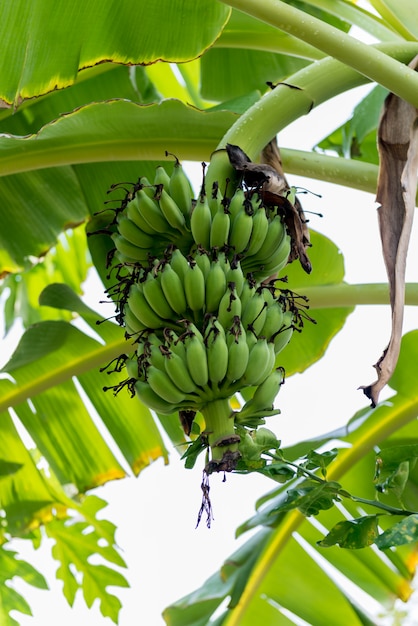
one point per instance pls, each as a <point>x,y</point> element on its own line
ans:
<point>331,296</point>
<point>307,88</point>
<point>222,438</point>
<point>364,58</point>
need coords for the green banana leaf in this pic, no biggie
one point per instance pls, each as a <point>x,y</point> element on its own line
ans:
<point>261,581</point>
<point>49,356</point>
<point>48,43</point>
<point>356,139</point>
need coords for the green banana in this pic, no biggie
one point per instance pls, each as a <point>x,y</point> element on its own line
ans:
<point>238,354</point>
<point>179,263</point>
<point>132,367</point>
<point>132,324</point>
<point>173,289</point>
<point>142,310</point>
<point>155,296</point>
<point>275,236</point>
<point>201,222</point>
<point>215,199</point>
<point>147,187</point>
<point>196,358</point>
<point>266,393</point>
<point>177,370</point>
<point>180,189</point>
<point>161,177</point>
<point>217,353</point>
<point>128,229</point>
<point>153,350</point>
<point>229,307</point>
<point>284,335</point>
<point>273,321</point>
<point>259,231</point>
<point>248,291</point>
<point>151,212</point>
<point>220,228</point>
<point>176,345</point>
<point>194,287</point>
<point>133,213</point>
<point>215,287</point>
<point>241,228</point>
<point>259,364</point>
<point>235,275</point>
<point>170,210</point>
<point>278,260</point>
<point>129,252</point>
<point>201,258</point>
<point>153,400</point>
<point>254,314</point>
<point>262,402</point>
<point>236,204</point>
<point>162,385</point>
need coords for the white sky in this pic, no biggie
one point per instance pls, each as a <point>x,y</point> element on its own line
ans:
<point>156,513</point>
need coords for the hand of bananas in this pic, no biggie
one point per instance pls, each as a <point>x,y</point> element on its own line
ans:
<point>192,293</point>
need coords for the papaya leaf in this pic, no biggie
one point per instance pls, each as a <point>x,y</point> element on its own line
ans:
<point>352,534</point>
<point>10,600</point>
<point>75,543</point>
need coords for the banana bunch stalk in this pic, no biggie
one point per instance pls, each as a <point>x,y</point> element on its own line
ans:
<point>201,318</point>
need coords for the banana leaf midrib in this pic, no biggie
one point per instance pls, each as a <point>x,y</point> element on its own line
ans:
<point>79,365</point>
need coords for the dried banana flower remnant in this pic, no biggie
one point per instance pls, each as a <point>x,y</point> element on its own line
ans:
<point>275,192</point>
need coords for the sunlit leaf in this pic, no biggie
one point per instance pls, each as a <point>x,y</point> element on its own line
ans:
<point>404,532</point>
<point>24,289</point>
<point>352,534</point>
<point>10,600</point>
<point>75,544</point>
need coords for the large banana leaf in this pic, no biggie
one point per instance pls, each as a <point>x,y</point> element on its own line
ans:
<point>263,582</point>
<point>47,42</point>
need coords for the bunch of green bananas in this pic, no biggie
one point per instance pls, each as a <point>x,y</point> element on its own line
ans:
<point>189,370</point>
<point>202,323</point>
<point>156,216</point>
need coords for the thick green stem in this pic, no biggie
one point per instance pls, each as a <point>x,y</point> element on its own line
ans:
<point>310,87</point>
<point>220,430</point>
<point>343,295</point>
<point>366,59</point>
<point>348,172</point>
<point>244,32</point>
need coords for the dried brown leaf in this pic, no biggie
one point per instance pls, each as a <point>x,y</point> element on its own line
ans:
<point>269,177</point>
<point>294,215</point>
<point>396,191</point>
